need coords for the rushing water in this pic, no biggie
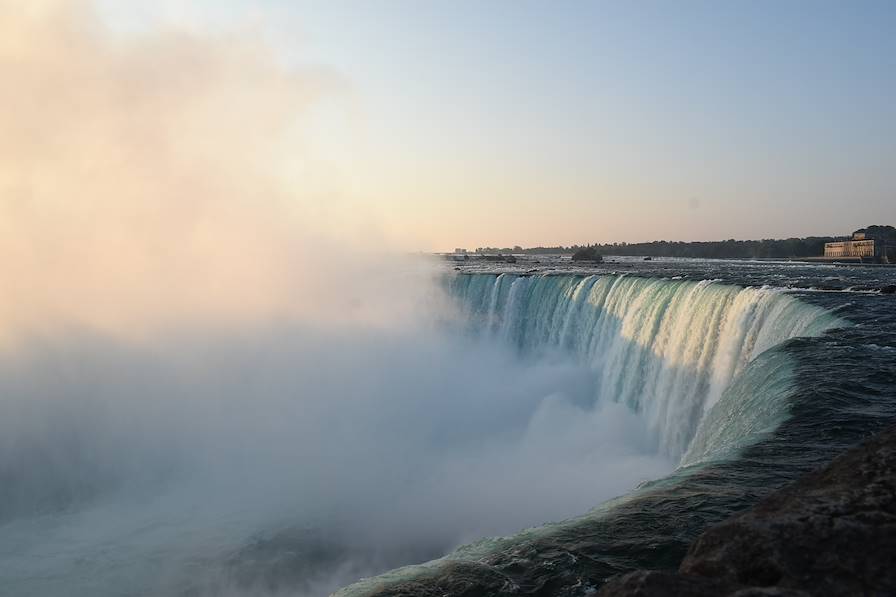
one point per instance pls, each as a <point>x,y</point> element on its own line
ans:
<point>749,373</point>
<point>293,462</point>
<point>667,349</point>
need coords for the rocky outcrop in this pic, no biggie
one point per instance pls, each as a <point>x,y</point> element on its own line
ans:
<point>831,533</point>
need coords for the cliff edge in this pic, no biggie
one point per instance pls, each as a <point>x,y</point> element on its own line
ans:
<point>833,532</point>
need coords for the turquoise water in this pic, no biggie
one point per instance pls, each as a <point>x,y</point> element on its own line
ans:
<point>540,433</point>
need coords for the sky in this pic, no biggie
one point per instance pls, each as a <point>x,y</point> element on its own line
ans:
<point>465,124</point>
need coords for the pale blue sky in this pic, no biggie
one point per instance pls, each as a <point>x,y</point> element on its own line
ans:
<point>562,122</point>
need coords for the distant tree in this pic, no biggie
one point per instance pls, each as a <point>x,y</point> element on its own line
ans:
<point>881,232</point>
<point>587,254</point>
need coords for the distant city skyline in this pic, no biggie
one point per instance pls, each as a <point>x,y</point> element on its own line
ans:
<point>531,123</point>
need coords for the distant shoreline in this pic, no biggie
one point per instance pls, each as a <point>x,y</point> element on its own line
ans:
<point>524,257</point>
<point>810,248</point>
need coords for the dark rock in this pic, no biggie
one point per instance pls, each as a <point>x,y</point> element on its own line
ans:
<point>653,583</point>
<point>888,289</point>
<point>831,533</point>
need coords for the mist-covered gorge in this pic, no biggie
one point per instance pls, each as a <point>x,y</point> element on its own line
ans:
<point>298,458</point>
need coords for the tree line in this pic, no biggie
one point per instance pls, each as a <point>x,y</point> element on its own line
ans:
<point>812,246</point>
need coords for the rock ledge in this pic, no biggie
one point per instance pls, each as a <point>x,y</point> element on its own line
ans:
<point>833,532</point>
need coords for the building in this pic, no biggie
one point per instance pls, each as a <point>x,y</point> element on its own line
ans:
<point>850,248</point>
<point>866,244</point>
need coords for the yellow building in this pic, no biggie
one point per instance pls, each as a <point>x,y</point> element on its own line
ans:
<point>875,243</point>
<point>850,248</point>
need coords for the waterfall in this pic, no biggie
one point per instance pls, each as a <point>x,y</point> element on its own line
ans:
<point>676,351</point>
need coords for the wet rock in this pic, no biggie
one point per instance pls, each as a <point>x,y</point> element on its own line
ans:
<point>831,533</point>
<point>888,289</point>
<point>656,584</point>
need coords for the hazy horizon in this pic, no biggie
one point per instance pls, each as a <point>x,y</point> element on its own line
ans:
<point>671,240</point>
<point>520,123</point>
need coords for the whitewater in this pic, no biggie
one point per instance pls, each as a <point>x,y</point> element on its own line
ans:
<point>772,369</point>
<point>666,349</point>
<point>530,433</point>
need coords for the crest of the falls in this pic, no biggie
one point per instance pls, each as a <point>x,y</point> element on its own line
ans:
<point>684,354</point>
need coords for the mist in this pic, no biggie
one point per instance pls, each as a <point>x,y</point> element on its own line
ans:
<point>216,376</point>
<point>397,446</point>
<point>166,178</point>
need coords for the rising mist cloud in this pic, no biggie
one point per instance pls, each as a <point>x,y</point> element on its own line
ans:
<point>161,177</point>
<point>204,354</point>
